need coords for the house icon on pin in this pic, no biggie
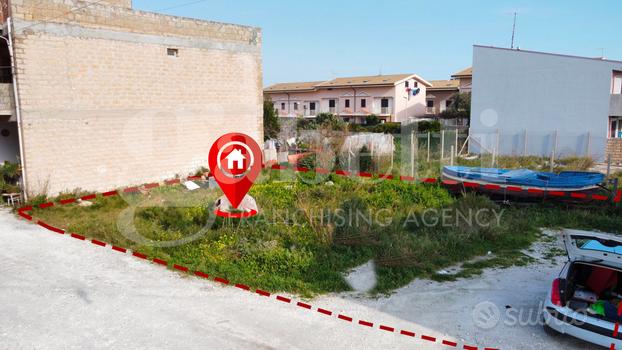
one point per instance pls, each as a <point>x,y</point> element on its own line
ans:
<point>235,157</point>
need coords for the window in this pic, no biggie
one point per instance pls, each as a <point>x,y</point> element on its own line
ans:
<point>447,103</point>
<point>416,84</point>
<point>312,106</point>
<point>617,83</point>
<point>172,52</point>
<point>616,129</point>
<point>430,104</point>
<point>406,84</point>
<point>295,106</point>
<point>331,103</point>
<point>363,103</point>
<point>283,105</point>
<point>347,103</point>
<point>384,103</point>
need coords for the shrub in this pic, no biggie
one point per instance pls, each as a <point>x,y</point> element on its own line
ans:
<point>429,126</point>
<point>330,121</point>
<point>372,120</point>
<point>9,177</point>
<point>576,163</point>
<point>322,120</point>
<point>365,160</point>
<point>357,128</point>
<point>308,161</point>
<point>387,128</point>
<point>353,210</point>
<point>306,124</point>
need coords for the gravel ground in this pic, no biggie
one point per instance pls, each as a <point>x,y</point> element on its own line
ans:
<point>60,293</point>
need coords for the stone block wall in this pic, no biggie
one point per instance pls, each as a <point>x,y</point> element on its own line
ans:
<point>614,148</point>
<point>114,97</point>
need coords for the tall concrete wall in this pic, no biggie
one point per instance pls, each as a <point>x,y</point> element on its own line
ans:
<point>105,105</point>
<point>546,96</point>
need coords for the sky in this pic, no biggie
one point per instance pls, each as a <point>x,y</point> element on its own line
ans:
<point>307,40</point>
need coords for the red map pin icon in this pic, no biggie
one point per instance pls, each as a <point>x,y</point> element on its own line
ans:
<point>235,160</point>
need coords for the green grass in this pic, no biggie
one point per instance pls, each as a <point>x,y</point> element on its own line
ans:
<point>434,167</point>
<point>308,234</point>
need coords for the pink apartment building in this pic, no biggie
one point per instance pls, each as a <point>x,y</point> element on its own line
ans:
<point>393,98</point>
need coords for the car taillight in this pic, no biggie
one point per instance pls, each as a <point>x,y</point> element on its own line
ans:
<point>556,297</point>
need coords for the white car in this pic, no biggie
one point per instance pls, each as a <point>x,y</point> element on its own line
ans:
<point>583,301</point>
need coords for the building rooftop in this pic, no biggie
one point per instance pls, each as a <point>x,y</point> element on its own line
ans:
<point>366,80</point>
<point>302,86</point>
<point>549,53</point>
<point>371,80</point>
<point>444,85</point>
<point>467,72</point>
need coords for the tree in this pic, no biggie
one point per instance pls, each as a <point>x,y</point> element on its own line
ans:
<point>460,107</point>
<point>271,127</point>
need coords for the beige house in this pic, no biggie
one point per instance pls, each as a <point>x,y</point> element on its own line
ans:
<point>107,96</point>
<point>393,98</point>
<point>439,95</point>
<point>465,79</point>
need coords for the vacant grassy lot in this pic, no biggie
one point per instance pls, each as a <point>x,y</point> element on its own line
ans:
<point>312,230</point>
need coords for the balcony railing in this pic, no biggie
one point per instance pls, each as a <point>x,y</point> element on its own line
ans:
<point>429,110</point>
<point>332,110</point>
<point>385,110</point>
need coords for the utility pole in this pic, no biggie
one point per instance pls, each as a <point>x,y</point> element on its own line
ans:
<point>513,31</point>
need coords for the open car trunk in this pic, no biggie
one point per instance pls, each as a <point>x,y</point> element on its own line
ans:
<point>593,289</point>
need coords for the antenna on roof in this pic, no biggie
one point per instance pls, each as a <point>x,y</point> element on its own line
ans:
<point>602,52</point>
<point>513,31</point>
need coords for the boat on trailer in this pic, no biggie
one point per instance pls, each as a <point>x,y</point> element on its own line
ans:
<point>528,181</point>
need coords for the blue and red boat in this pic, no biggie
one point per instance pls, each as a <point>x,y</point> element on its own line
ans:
<point>525,179</point>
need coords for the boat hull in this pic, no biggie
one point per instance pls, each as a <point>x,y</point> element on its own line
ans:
<point>523,183</point>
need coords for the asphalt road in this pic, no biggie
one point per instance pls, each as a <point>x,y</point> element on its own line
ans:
<point>61,293</point>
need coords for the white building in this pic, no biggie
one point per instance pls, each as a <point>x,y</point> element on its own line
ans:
<point>537,103</point>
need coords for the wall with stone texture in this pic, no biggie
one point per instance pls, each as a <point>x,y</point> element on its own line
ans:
<point>105,104</point>
<point>614,149</point>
